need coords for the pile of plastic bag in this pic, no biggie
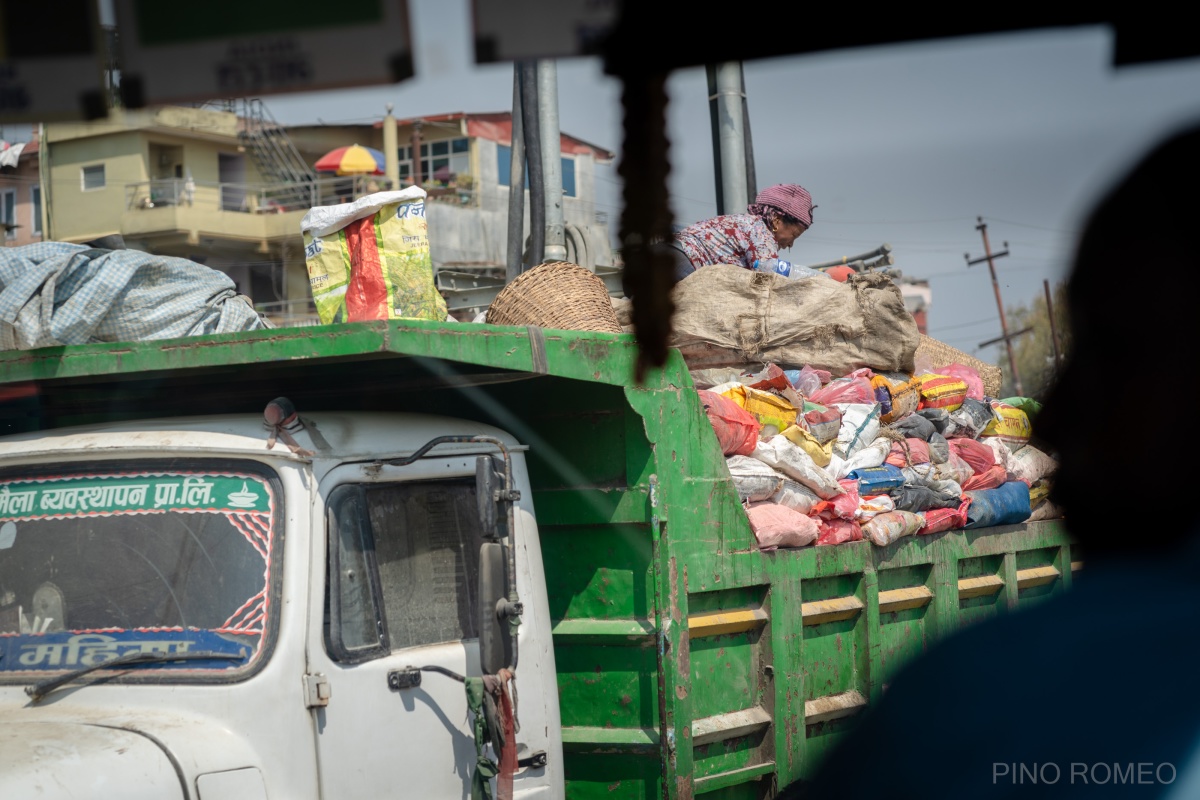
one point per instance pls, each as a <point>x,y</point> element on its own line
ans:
<point>875,455</point>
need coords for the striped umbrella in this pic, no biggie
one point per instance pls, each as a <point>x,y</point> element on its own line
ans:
<point>352,160</point>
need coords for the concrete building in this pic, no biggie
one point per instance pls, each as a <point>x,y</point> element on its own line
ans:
<point>227,187</point>
<point>20,193</point>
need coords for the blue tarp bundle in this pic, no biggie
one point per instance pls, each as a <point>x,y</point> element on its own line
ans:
<point>54,293</point>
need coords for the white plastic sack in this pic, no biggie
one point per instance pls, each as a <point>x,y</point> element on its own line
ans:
<point>1030,464</point>
<point>795,496</point>
<point>860,426</point>
<point>887,528</point>
<point>785,457</point>
<point>1004,453</point>
<point>873,455</point>
<point>869,507</point>
<point>753,479</point>
<point>1046,510</point>
<point>955,470</point>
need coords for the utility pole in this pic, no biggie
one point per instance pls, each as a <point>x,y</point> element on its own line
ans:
<point>1053,325</point>
<point>989,257</point>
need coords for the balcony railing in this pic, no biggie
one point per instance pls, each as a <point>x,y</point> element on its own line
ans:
<point>251,198</point>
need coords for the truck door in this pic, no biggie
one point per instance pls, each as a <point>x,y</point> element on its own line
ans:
<point>402,551</point>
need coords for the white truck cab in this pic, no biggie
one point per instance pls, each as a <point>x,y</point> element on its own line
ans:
<point>200,608</point>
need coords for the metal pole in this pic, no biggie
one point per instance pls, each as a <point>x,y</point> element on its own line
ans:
<point>556,237</point>
<point>533,159</point>
<point>714,116</point>
<point>516,185</point>
<point>751,172</point>
<point>391,149</point>
<point>1053,326</point>
<point>1012,359</point>
<point>733,141</point>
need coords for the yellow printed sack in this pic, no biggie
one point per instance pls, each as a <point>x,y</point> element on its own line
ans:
<point>370,259</point>
<point>1010,424</point>
<point>767,408</point>
<point>942,391</point>
<point>905,395</point>
<point>821,454</point>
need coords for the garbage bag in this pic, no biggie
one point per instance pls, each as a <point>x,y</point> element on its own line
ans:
<point>724,310</point>
<point>843,506</point>
<point>945,519</point>
<point>1031,464</point>
<point>820,453</point>
<point>969,419</point>
<point>370,259</point>
<point>890,527</point>
<point>773,413</point>
<point>779,526</point>
<point>753,479</point>
<point>919,498</point>
<point>942,391</point>
<point>869,507</point>
<point>736,428</point>
<point>914,427</point>
<point>795,496</point>
<point>860,425</point>
<point>838,531</point>
<point>823,422</point>
<point>54,293</point>
<point>877,480</point>
<point>785,457</point>
<point>1005,505</point>
<point>990,478</point>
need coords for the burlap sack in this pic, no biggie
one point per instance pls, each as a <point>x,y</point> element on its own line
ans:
<point>726,315</point>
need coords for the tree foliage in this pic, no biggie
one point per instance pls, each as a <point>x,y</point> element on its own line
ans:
<point>1034,351</point>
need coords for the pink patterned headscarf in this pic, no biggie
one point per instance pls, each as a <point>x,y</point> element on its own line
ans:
<point>785,198</point>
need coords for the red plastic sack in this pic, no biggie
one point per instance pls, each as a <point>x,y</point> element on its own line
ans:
<point>843,506</point>
<point>779,526</point>
<point>990,478</point>
<point>968,376</point>
<point>945,519</point>
<point>736,428</point>
<point>845,390</point>
<point>942,391</point>
<point>978,455</point>
<point>838,531</point>
<point>770,378</point>
<point>913,451</point>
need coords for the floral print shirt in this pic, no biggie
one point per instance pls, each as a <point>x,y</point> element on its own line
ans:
<point>732,239</point>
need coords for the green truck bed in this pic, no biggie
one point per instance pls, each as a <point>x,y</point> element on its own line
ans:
<point>688,661</point>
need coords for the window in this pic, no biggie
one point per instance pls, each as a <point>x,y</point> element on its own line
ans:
<point>441,161</point>
<point>504,164</point>
<point>35,200</point>
<point>8,212</point>
<point>403,566</point>
<point>92,177</point>
<point>166,557</point>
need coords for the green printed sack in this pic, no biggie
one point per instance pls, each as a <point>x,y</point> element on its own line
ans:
<point>370,259</point>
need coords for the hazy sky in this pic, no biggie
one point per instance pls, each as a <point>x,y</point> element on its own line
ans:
<point>905,144</point>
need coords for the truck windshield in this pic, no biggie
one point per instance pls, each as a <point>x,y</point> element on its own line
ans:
<point>97,563</point>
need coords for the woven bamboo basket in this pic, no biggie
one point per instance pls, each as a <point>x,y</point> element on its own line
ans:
<point>556,294</point>
<point>940,354</point>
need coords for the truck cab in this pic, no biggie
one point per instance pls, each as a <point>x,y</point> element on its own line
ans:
<point>289,613</point>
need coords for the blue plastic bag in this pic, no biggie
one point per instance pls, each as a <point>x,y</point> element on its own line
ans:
<point>877,480</point>
<point>1007,504</point>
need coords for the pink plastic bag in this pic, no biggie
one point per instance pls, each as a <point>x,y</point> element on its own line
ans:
<point>838,531</point>
<point>736,428</point>
<point>968,376</point>
<point>779,526</point>
<point>845,390</point>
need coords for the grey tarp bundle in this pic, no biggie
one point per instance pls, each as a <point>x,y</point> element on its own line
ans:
<point>54,293</point>
<point>728,315</point>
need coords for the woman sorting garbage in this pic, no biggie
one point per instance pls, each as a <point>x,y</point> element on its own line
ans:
<point>752,240</point>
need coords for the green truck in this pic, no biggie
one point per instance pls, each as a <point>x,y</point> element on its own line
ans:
<point>293,597</point>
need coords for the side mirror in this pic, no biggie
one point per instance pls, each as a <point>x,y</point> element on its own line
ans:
<point>495,637</point>
<point>487,482</point>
